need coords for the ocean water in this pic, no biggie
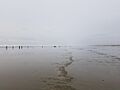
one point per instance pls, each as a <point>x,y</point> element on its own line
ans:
<point>60,68</point>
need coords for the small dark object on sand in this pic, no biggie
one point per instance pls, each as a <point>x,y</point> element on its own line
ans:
<point>54,46</point>
<point>103,80</point>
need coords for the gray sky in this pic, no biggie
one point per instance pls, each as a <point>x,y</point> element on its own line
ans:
<point>64,22</point>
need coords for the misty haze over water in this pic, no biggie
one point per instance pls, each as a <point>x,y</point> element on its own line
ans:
<point>64,22</point>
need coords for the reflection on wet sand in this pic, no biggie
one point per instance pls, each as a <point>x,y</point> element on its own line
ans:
<point>53,68</point>
<point>63,81</point>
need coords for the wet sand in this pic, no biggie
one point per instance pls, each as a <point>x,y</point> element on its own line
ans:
<point>60,68</point>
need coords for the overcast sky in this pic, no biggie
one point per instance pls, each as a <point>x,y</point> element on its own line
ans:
<point>64,22</point>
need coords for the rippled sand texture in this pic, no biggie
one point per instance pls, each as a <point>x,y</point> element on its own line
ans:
<point>60,68</point>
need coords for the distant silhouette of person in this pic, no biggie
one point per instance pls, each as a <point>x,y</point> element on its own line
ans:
<point>6,47</point>
<point>12,47</point>
<point>19,47</point>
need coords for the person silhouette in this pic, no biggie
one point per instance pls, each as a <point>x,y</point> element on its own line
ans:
<point>19,47</point>
<point>6,47</point>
